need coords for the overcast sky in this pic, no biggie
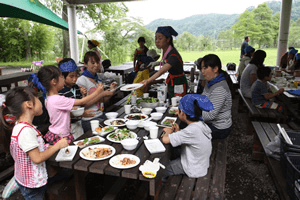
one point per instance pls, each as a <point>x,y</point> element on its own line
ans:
<point>150,10</point>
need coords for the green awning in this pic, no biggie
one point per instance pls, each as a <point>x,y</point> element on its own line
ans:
<point>31,10</point>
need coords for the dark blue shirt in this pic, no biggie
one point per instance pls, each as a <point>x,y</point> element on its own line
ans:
<point>244,45</point>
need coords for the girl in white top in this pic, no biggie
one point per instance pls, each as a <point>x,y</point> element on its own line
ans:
<point>27,146</point>
<point>195,139</point>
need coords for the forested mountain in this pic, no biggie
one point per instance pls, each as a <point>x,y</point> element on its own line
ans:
<point>212,24</point>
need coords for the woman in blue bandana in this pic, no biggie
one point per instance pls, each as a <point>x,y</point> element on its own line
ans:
<point>171,62</point>
<point>194,140</point>
<point>90,80</point>
<point>217,90</point>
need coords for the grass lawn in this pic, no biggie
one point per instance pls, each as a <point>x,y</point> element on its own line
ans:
<point>24,64</point>
<point>228,56</point>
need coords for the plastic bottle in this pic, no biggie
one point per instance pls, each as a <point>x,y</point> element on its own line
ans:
<point>167,103</point>
<point>102,106</point>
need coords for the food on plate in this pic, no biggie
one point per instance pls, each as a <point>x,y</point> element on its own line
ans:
<point>80,144</point>
<point>117,122</point>
<point>67,151</point>
<point>94,140</point>
<point>131,88</point>
<point>172,111</point>
<point>98,129</point>
<point>169,121</point>
<point>136,117</point>
<point>147,100</point>
<point>126,162</point>
<point>85,140</point>
<point>107,129</point>
<point>97,152</point>
<point>121,134</point>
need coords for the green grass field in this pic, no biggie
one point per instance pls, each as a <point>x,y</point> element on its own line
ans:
<point>228,56</point>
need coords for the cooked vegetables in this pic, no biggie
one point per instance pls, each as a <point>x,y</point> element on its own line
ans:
<point>110,128</point>
<point>147,100</point>
<point>121,134</point>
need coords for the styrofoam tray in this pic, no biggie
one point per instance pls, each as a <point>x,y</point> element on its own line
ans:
<point>154,146</point>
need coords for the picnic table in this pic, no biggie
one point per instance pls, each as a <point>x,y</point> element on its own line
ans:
<point>80,165</point>
<point>8,79</point>
<point>124,70</point>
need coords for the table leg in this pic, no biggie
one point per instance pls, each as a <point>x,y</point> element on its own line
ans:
<point>80,189</point>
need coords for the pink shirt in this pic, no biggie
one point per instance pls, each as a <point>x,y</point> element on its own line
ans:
<point>59,108</point>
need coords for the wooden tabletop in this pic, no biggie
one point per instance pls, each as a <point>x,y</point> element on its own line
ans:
<point>13,77</point>
<point>103,167</point>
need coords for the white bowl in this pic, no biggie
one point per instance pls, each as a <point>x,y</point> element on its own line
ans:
<point>161,109</point>
<point>146,111</point>
<point>149,105</point>
<point>129,144</point>
<point>147,124</point>
<point>132,124</point>
<point>156,115</point>
<point>78,111</point>
<point>111,115</point>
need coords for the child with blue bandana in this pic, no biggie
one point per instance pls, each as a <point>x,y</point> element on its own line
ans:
<point>195,139</point>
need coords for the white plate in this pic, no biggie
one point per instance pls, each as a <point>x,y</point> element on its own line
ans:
<point>108,122</point>
<point>62,156</point>
<point>87,143</point>
<point>102,132</point>
<point>130,87</point>
<point>154,146</point>
<point>97,146</point>
<point>114,161</point>
<point>173,118</point>
<point>173,108</point>
<point>108,138</point>
<point>146,117</point>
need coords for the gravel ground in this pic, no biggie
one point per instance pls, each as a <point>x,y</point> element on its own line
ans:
<point>245,179</point>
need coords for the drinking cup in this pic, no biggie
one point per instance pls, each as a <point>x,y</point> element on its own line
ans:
<point>146,95</point>
<point>94,125</point>
<point>127,109</point>
<point>153,132</point>
<point>174,101</point>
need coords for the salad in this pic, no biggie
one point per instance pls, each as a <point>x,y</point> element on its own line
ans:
<point>121,134</point>
<point>147,100</point>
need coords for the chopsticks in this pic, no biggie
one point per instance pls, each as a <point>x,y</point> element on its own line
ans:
<point>162,135</point>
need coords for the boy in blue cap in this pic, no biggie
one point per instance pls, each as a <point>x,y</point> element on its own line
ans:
<point>195,139</point>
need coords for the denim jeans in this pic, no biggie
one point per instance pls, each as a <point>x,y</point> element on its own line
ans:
<point>32,193</point>
<point>219,133</point>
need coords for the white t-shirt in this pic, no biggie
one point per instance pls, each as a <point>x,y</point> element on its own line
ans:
<point>90,87</point>
<point>27,138</point>
<point>195,141</point>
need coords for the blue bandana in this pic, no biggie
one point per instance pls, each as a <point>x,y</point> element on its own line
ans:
<point>69,66</point>
<point>297,56</point>
<point>249,49</point>
<point>293,51</point>
<point>87,73</point>
<point>187,104</point>
<point>217,79</point>
<point>36,82</point>
<point>147,60</point>
<point>167,31</point>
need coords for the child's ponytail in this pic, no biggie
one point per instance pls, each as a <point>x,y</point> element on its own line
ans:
<point>5,128</point>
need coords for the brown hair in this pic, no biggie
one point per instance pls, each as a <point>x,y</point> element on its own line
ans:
<point>13,105</point>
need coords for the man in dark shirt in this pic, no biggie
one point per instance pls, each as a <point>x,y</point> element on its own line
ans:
<point>244,45</point>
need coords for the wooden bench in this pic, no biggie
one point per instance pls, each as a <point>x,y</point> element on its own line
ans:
<point>210,186</point>
<point>264,133</point>
<point>259,114</point>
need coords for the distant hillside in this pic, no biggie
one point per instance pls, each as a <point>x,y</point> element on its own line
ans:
<point>208,24</point>
<point>212,24</point>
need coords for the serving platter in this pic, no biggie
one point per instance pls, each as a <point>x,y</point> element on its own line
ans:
<point>134,135</point>
<point>109,122</point>
<point>116,161</point>
<point>88,140</point>
<point>86,149</point>
<point>103,131</point>
<point>130,87</point>
<point>131,116</point>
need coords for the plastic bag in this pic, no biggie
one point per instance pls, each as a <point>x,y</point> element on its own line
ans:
<point>273,148</point>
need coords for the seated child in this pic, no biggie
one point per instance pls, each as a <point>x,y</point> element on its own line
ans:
<point>195,139</point>
<point>90,80</point>
<point>261,97</point>
<point>69,70</point>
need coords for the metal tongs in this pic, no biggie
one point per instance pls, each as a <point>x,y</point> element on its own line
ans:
<point>284,134</point>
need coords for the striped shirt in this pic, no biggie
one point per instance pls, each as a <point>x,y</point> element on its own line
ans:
<point>220,96</point>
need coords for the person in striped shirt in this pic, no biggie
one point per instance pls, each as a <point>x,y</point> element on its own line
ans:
<point>217,90</point>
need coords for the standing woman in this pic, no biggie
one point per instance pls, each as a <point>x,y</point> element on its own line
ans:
<point>171,62</point>
<point>217,90</point>
<point>93,45</point>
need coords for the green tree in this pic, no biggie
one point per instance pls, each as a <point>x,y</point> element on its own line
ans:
<point>246,26</point>
<point>263,18</point>
<point>186,41</point>
<point>294,38</point>
<point>275,30</point>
